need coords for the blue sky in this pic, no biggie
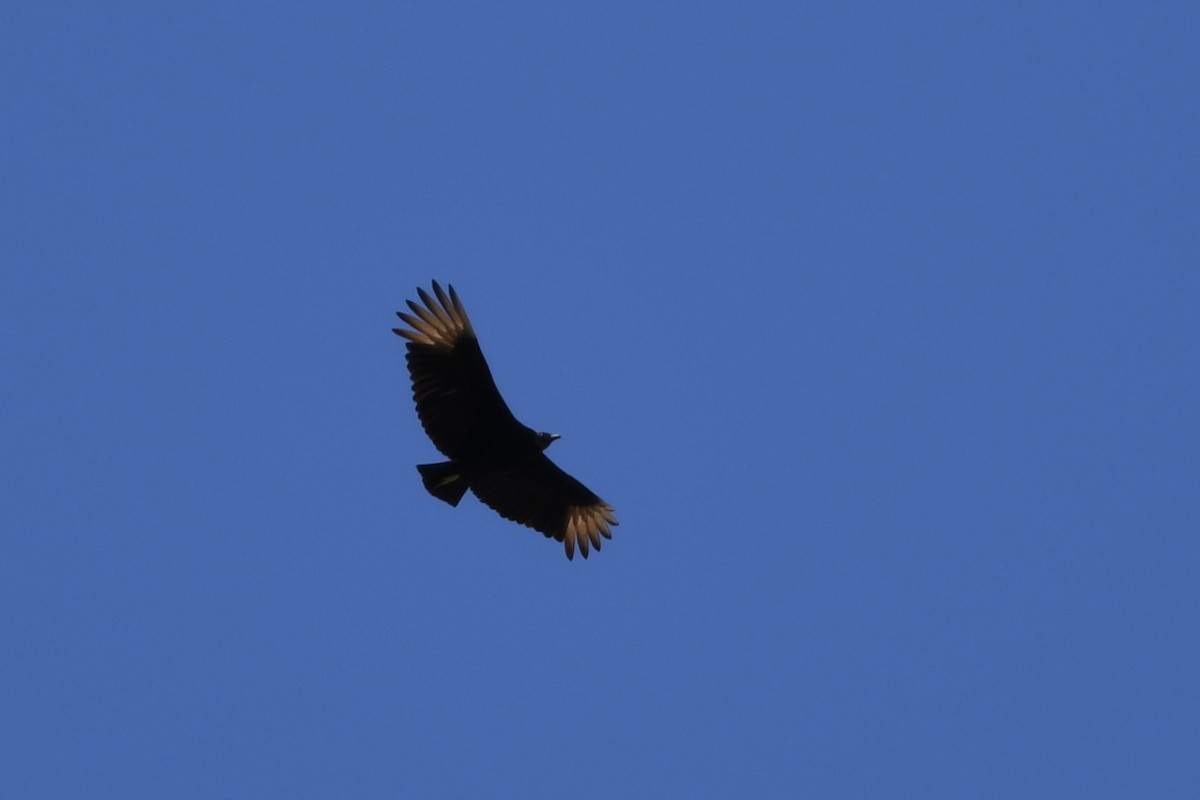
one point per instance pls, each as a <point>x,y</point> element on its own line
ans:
<point>877,324</point>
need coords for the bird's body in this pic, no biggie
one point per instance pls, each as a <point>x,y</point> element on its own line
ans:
<point>491,453</point>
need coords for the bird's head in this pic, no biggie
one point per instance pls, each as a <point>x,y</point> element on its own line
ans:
<point>544,439</point>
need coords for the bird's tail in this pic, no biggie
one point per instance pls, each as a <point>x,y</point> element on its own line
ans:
<point>444,481</point>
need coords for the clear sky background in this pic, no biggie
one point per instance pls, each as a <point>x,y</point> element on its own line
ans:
<point>876,323</point>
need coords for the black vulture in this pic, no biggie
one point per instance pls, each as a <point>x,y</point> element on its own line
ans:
<point>490,452</point>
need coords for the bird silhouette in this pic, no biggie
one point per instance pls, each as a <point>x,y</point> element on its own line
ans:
<point>500,460</point>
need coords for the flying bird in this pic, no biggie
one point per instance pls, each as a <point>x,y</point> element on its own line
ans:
<point>500,460</point>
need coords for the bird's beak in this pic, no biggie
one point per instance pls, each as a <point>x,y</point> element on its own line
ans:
<point>555,437</point>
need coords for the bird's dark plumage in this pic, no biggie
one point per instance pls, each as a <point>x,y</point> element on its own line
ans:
<point>490,452</point>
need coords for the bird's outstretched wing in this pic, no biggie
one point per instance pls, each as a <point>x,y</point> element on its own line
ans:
<point>452,385</point>
<point>536,493</point>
